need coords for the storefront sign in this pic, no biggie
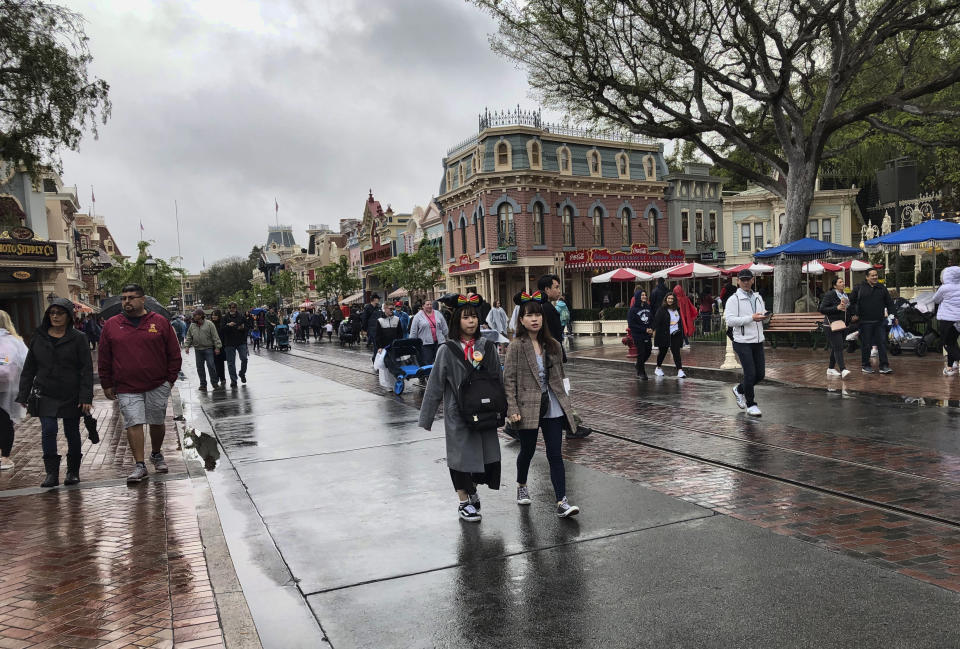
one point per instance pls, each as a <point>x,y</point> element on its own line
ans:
<point>8,275</point>
<point>464,265</point>
<point>38,251</point>
<point>21,233</point>
<point>376,255</point>
<point>716,255</point>
<point>639,256</point>
<point>89,253</point>
<point>503,257</point>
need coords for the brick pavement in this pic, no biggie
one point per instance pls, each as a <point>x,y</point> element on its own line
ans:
<point>103,565</point>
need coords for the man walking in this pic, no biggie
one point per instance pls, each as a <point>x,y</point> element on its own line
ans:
<point>368,320</point>
<point>235,342</point>
<point>138,363</point>
<point>745,312</point>
<point>867,304</point>
<point>203,335</point>
<point>272,321</point>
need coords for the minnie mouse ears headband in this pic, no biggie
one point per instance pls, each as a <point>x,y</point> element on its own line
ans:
<point>523,296</point>
<point>454,300</point>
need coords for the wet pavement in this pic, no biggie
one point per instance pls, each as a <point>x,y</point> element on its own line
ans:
<point>830,521</point>
<point>102,564</point>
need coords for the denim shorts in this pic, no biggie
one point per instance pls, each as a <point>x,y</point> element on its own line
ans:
<point>138,408</point>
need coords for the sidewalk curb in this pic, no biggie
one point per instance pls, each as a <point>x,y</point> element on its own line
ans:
<point>236,622</point>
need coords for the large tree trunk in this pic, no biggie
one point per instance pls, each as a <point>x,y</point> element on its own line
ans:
<point>787,280</point>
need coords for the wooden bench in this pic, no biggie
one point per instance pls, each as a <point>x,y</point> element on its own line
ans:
<point>795,325</point>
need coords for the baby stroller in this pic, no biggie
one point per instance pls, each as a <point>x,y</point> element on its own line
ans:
<point>299,332</point>
<point>281,337</point>
<point>912,330</point>
<point>401,360</point>
<point>346,333</point>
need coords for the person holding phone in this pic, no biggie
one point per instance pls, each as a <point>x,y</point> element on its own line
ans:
<point>834,306</point>
<point>745,312</point>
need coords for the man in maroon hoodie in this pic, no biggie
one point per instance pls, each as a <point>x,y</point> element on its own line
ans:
<point>138,362</point>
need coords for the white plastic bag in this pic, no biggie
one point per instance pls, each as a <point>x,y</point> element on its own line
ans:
<point>387,379</point>
<point>378,360</point>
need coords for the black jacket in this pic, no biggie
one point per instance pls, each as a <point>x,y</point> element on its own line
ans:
<point>829,306</point>
<point>63,369</point>
<point>657,295</point>
<point>868,302</point>
<point>639,319</point>
<point>236,335</point>
<point>383,336</point>
<point>661,327</point>
<point>552,317</point>
<point>369,317</point>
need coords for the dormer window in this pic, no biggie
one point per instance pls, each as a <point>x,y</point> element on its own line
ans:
<point>563,160</point>
<point>504,156</point>
<point>623,165</point>
<point>460,173</point>
<point>594,163</point>
<point>649,167</point>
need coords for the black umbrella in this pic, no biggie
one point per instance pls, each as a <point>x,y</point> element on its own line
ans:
<point>111,307</point>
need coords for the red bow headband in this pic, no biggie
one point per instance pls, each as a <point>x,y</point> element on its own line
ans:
<point>463,299</point>
<point>536,297</point>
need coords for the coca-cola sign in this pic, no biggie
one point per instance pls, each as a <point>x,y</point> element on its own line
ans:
<point>638,256</point>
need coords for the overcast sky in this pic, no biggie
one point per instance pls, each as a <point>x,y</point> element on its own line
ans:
<point>224,105</point>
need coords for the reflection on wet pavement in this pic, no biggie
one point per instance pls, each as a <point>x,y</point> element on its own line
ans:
<point>204,445</point>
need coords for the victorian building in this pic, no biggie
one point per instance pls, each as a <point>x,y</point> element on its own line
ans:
<point>97,250</point>
<point>522,198</point>
<point>695,213</point>
<point>379,238</point>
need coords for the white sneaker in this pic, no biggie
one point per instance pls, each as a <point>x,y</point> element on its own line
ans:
<point>5,464</point>
<point>754,411</point>
<point>658,372</point>
<point>949,371</point>
<point>741,399</point>
<point>681,375</point>
<point>844,374</point>
<point>832,372</point>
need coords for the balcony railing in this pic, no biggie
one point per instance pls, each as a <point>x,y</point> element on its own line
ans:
<point>506,237</point>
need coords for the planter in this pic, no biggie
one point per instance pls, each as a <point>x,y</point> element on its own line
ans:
<point>586,327</point>
<point>614,327</point>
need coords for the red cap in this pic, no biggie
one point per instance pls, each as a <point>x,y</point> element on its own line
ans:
<point>398,303</point>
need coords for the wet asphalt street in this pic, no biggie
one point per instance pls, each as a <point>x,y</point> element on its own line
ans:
<point>812,527</point>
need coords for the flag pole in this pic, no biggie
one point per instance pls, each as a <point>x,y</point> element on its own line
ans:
<point>176,213</point>
<point>93,203</point>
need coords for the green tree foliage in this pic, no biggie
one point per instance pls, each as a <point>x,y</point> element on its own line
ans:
<point>163,285</point>
<point>786,85</point>
<point>47,96</point>
<point>287,284</point>
<point>419,272</point>
<point>225,277</point>
<point>336,281</point>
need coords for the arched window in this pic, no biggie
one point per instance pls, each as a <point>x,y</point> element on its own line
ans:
<point>505,232</point>
<point>650,169</point>
<point>538,235</point>
<point>568,226</point>
<point>594,163</point>
<point>535,154</point>
<point>460,175</point>
<point>450,238</point>
<point>597,226</point>
<point>654,231</point>
<point>483,234</point>
<point>463,235</point>
<point>476,234</point>
<point>622,165</point>
<point>626,235</point>
<point>564,159</point>
<point>503,158</point>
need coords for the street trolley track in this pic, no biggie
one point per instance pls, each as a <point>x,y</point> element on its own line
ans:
<point>702,459</point>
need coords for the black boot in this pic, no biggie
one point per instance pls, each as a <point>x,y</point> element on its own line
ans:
<point>52,464</point>
<point>73,469</point>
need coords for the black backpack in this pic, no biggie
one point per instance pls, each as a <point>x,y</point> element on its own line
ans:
<point>481,398</point>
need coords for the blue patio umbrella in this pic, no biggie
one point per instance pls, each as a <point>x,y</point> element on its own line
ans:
<point>926,232</point>
<point>808,248</point>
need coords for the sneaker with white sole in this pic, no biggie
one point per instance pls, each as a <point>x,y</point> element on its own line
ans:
<point>523,496</point>
<point>754,411</point>
<point>844,374</point>
<point>565,509</point>
<point>949,371</point>
<point>474,500</point>
<point>159,464</point>
<point>658,372</point>
<point>139,474</point>
<point>741,399</point>
<point>5,464</point>
<point>468,512</point>
<point>681,374</point>
<point>832,372</point>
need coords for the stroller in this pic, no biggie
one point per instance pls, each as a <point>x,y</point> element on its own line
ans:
<point>346,333</point>
<point>281,337</point>
<point>402,360</point>
<point>912,329</point>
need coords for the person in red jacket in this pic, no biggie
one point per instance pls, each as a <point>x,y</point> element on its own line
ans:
<point>138,363</point>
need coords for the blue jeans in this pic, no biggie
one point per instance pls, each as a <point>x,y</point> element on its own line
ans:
<point>205,364</point>
<point>48,435</point>
<point>232,361</point>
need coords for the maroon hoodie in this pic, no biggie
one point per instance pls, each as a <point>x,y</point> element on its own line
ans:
<point>138,359</point>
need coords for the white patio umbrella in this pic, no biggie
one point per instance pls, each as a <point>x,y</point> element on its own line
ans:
<point>622,275</point>
<point>687,271</point>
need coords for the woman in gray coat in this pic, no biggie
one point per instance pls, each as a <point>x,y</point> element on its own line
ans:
<point>472,457</point>
<point>537,398</point>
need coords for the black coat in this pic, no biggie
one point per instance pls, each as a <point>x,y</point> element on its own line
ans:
<point>552,317</point>
<point>868,302</point>
<point>237,334</point>
<point>829,306</point>
<point>63,369</point>
<point>661,327</point>
<point>657,296</point>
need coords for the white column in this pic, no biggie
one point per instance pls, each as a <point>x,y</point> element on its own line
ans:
<point>526,278</point>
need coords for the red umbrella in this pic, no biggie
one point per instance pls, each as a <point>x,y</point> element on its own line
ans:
<point>757,269</point>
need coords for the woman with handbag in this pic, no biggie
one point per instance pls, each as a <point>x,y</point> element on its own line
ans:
<point>668,334</point>
<point>834,306</point>
<point>537,399</point>
<point>13,353</point>
<point>57,383</point>
<point>473,455</point>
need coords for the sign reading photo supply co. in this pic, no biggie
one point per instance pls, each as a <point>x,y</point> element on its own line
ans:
<point>27,250</point>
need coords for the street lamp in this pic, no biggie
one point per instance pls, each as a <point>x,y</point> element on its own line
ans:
<point>150,265</point>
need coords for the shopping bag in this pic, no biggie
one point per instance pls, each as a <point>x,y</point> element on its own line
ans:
<point>378,360</point>
<point>386,379</point>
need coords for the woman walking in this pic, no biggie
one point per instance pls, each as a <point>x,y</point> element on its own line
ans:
<point>13,354</point>
<point>431,328</point>
<point>668,334</point>
<point>473,456</point>
<point>948,315</point>
<point>497,318</point>
<point>834,306</point>
<point>638,321</point>
<point>536,398</point>
<point>58,366</point>
<point>219,360</point>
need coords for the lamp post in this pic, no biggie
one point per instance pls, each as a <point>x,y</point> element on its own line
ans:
<point>150,265</point>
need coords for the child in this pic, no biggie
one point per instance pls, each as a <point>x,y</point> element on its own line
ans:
<point>255,336</point>
<point>329,328</point>
<point>473,457</point>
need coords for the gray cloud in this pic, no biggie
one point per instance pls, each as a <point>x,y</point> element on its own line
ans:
<point>224,105</point>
